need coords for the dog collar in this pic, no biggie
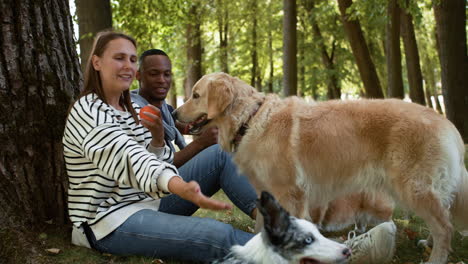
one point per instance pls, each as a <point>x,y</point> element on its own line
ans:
<point>243,128</point>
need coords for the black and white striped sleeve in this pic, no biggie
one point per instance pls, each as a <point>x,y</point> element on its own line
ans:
<point>122,158</point>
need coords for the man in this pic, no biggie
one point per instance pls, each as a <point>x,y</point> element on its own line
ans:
<point>201,160</point>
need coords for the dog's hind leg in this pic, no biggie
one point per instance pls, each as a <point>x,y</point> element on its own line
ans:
<point>428,206</point>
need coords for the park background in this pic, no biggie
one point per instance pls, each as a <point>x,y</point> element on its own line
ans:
<point>316,49</point>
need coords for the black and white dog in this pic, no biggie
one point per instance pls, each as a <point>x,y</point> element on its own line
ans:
<point>286,239</point>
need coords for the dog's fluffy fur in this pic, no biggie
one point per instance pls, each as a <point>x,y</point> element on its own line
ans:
<point>286,239</point>
<point>308,154</point>
<point>358,209</point>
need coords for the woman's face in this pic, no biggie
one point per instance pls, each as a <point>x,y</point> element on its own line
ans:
<point>117,66</point>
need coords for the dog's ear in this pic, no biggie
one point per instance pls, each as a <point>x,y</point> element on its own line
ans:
<point>220,95</point>
<point>276,219</point>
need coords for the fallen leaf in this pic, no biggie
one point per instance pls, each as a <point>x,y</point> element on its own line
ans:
<point>158,261</point>
<point>53,251</point>
<point>412,235</point>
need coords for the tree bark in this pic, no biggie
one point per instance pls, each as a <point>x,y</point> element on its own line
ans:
<point>254,54</point>
<point>361,52</point>
<point>413,67</point>
<point>451,21</point>
<point>395,78</point>
<point>93,16</point>
<point>289,48</point>
<point>194,50</point>
<point>223,31</point>
<point>270,51</point>
<point>173,94</point>
<point>301,51</point>
<point>39,77</point>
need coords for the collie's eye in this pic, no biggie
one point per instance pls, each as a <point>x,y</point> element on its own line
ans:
<point>308,240</point>
<point>195,96</point>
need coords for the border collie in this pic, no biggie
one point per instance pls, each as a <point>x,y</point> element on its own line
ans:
<point>286,239</point>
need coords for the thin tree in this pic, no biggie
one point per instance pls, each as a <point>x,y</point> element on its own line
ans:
<point>333,84</point>
<point>451,22</point>
<point>93,16</point>
<point>39,77</point>
<point>222,12</point>
<point>254,71</point>
<point>394,76</point>
<point>413,66</point>
<point>194,49</point>
<point>289,48</point>
<point>360,51</point>
<point>270,50</point>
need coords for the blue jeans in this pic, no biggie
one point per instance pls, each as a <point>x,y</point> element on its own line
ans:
<point>171,233</point>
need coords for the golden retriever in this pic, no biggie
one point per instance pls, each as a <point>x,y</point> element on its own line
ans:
<point>308,154</point>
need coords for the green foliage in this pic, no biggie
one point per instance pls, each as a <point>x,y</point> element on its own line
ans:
<point>162,24</point>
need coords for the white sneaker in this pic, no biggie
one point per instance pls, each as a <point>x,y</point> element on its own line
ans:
<point>376,246</point>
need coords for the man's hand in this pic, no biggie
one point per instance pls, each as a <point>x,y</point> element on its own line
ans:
<point>155,126</point>
<point>190,191</point>
<point>208,137</point>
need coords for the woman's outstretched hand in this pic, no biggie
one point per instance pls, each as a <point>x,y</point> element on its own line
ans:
<point>191,191</point>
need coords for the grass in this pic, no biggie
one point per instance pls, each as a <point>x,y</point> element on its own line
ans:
<point>410,230</point>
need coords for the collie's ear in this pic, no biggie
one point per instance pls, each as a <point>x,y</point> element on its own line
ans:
<point>220,95</point>
<point>276,219</point>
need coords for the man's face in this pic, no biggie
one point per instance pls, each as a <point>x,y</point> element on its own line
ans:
<point>155,77</point>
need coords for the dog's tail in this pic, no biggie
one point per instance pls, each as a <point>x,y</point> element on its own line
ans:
<point>459,208</point>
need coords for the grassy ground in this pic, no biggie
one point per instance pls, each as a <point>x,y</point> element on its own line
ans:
<point>410,230</point>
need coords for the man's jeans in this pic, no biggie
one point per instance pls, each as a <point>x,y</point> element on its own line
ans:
<point>171,233</point>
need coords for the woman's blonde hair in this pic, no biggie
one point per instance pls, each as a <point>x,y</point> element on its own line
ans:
<point>92,79</point>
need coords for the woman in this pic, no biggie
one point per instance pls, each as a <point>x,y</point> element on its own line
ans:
<point>119,171</point>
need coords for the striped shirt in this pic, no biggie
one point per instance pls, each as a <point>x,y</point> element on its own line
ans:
<point>113,171</point>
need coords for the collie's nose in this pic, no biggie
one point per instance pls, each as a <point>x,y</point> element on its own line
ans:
<point>346,252</point>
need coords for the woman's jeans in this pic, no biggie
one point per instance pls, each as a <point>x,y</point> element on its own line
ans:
<point>171,233</point>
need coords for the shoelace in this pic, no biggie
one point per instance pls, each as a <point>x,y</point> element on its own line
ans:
<point>356,244</point>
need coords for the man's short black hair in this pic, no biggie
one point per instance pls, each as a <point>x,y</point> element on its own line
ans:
<point>149,53</point>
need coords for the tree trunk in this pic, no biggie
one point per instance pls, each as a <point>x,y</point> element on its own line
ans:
<point>428,95</point>
<point>39,77</point>
<point>93,16</point>
<point>301,51</point>
<point>361,52</point>
<point>270,51</point>
<point>451,21</point>
<point>254,56</point>
<point>395,78</point>
<point>223,29</point>
<point>413,67</point>
<point>289,48</point>
<point>194,51</point>
<point>173,94</point>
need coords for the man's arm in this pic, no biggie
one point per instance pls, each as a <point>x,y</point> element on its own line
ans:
<point>205,139</point>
